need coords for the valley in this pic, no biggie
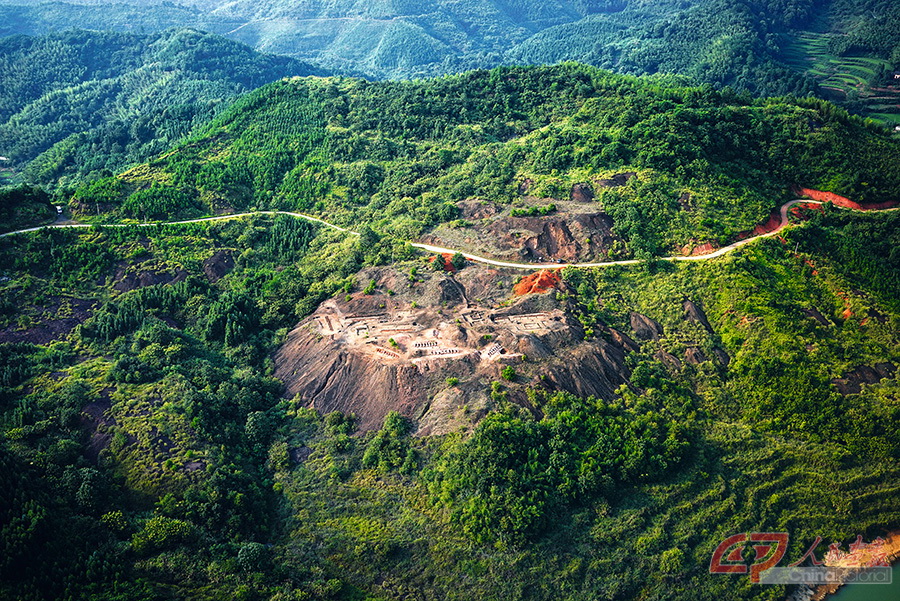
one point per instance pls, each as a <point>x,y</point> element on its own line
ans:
<point>379,324</point>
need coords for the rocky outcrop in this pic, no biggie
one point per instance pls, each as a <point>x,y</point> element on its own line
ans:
<point>581,193</point>
<point>694,356</point>
<point>722,357</point>
<point>623,341</point>
<point>563,237</point>
<point>218,266</point>
<point>589,370</point>
<point>814,313</point>
<point>554,237</point>
<point>96,422</point>
<point>852,382</point>
<point>644,327</point>
<point>672,363</point>
<point>525,186</point>
<point>452,293</point>
<point>693,313</point>
<point>617,180</point>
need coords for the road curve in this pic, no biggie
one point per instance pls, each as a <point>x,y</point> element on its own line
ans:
<point>718,253</point>
<point>442,250</point>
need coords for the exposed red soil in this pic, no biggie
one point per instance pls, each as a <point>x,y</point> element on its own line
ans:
<point>448,262</point>
<point>769,225</point>
<point>695,249</point>
<point>843,201</point>
<point>773,223</point>
<point>538,282</point>
<point>703,249</point>
<point>800,211</point>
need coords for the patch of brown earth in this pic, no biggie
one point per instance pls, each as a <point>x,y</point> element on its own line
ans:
<point>477,209</point>
<point>129,277</point>
<point>52,323</point>
<point>375,353</point>
<point>96,422</point>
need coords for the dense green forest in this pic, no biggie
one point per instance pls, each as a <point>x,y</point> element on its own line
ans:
<point>78,104</point>
<point>149,452</point>
<point>843,50</point>
<point>24,206</point>
<point>398,156</point>
<point>153,443</point>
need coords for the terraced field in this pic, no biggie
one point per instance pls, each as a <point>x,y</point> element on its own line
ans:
<point>848,78</point>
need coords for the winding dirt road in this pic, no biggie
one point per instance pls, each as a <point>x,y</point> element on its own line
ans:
<point>442,250</point>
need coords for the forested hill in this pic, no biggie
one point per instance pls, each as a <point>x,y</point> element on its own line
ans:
<point>399,156</point>
<point>719,41</point>
<point>844,50</point>
<point>97,101</point>
<point>143,430</point>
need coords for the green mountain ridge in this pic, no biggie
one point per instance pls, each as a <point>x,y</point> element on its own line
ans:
<point>750,44</point>
<point>402,156</point>
<point>84,101</point>
<point>574,434</point>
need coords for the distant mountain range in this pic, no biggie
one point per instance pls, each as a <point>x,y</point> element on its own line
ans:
<point>768,47</point>
<point>151,85</point>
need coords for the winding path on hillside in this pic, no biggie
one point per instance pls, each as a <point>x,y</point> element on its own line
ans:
<point>442,250</point>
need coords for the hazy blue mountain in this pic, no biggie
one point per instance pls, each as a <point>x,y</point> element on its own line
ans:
<point>400,38</point>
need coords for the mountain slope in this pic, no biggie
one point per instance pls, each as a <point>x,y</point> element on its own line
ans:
<point>402,39</point>
<point>674,167</point>
<point>143,431</point>
<point>844,50</point>
<point>98,100</point>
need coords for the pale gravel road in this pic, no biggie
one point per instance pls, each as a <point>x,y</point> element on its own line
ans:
<point>440,249</point>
